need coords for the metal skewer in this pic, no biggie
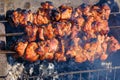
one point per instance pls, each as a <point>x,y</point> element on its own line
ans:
<point>114,12</point>
<point>7,52</point>
<point>21,33</point>
<point>17,34</point>
<point>3,21</point>
<point>113,27</point>
<point>110,13</point>
<point>12,34</point>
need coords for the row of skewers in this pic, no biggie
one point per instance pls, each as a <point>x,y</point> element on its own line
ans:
<point>63,33</point>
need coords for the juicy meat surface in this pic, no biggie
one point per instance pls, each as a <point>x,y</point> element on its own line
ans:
<point>41,33</point>
<point>31,32</point>
<point>21,47</point>
<point>31,54</point>
<point>62,33</point>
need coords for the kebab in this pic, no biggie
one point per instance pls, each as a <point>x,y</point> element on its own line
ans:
<point>64,33</point>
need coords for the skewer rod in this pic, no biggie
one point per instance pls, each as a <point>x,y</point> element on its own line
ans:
<point>21,33</point>
<point>7,52</point>
<point>12,34</point>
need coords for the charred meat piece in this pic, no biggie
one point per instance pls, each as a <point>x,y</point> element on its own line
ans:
<point>53,45</point>
<point>86,10</point>
<point>80,58</point>
<point>78,11</point>
<point>104,56</point>
<point>75,48</point>
<point>49,56</point>
<point>31,31</point>
<point>47,49</point>
<point>88,27</point>
<point>20,48</point>
<point>30,53</point>
<point>113,45</point>
<point>71,52</point>
<point>15,17</point>
<point>59,56</point>
<point>41,33</point>
<point>55,15</point>
<point>80,21</point>
<point>105,11</point>
<point>23,17</point>
<point>42,17</point>
<point>62,29</point>
<point>30,16</point>
<point>44,53</point>
<point>41,50</point>
<point>47,5</point>
<point>65,32</point>
<point>48,31</point>
<point>35,18</point>
<point>66,11</point>
<point>101,27</point>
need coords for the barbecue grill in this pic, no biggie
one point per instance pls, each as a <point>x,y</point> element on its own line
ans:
<point>106,73</point>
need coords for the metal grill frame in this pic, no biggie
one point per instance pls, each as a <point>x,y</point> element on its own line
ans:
<point>113,71</point>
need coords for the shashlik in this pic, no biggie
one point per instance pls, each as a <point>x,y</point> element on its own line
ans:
<point>62,33</point>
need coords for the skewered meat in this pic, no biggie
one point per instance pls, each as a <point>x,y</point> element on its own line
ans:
<point>31,31</point>
<point>58,30</point>
<point>80,58</point>
<point>71,53</point>
<point>106,11</point>
<point>66,11</point>
<point>41,53</point>
<point>74,48</point>
<point>88,24</point>
<point>101,27</point>
<point>47,5</point>
<point>35,18</point>
<point>62,29</point>
<point>31,54</point>
<point>43,14</point>
<point>30,16</point>
<point>86,10</point>
<point>20,48</point>
<point>15,17</point>
<point>74,31</point>
<point>96,13</point>
<point>48,31</point>
<point>80,21</point>
<point>47,49</point>
<point>79,11</point>
<point>41,33</point>
<point>41,17</point>
<point>61,33</point>
<point>55,15</point>
<point>103,56</point>
<point>113,45</point>
<point>59,56</point>
<point>53,45</point>
<point>47,54</point>
<point>23,18</point>
<point>41,50</point>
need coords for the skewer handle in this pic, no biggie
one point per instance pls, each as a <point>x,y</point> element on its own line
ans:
<point>12,34</point>
<point>7,52</point>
